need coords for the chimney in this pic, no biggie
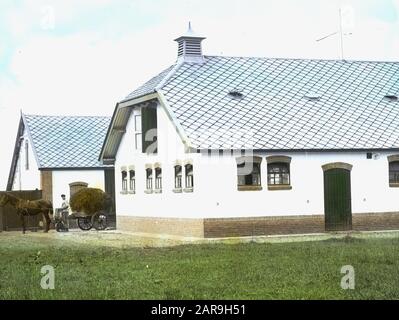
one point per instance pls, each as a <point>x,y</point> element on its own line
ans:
<point>189,47</point>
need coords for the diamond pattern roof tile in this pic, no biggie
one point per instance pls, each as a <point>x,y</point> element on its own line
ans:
<point>274,112</point>
<point>67,141</point>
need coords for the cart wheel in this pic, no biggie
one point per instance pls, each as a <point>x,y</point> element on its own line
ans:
<point>85,223</point>
<point>58,226</point>
<point>99,221</point>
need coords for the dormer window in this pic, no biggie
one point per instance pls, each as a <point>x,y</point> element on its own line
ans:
<point>391,97</point>
<point>312,97</point>
<point>237,94</point>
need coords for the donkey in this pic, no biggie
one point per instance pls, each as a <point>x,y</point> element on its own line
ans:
<point>28,208</point>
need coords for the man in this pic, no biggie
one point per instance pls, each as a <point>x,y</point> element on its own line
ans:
<point>65,210</point>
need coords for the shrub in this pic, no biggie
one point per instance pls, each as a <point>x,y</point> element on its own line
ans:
<point>90,201</point>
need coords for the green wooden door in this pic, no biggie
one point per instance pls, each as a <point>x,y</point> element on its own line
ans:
<point>337,200</point>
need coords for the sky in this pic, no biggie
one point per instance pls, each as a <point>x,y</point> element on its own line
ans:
<point>70,57</point>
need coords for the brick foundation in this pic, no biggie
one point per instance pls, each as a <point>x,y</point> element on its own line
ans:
<point>375,221</point>
<point>251,226</point>
<point>167,226</point>
<point>231,227</point>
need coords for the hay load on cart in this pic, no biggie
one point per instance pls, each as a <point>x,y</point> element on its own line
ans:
<point>91,207</point>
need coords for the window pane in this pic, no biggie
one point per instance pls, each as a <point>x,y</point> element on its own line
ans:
<point>132,182</point>
<point>178,176</point>
<point>278,173</point>
<point>248,174</point>
<point>394,172</point>
<point>124,180</point>
<point>137,123</point>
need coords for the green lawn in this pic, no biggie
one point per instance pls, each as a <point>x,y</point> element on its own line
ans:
<point>293,270</point>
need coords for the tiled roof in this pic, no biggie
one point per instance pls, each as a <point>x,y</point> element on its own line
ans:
<point>67,141</point>
<point>149,86</point>
<point>274,113</point>
<point>277,112</point>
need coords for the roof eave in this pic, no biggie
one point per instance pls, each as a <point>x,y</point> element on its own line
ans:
<point>120,105</point>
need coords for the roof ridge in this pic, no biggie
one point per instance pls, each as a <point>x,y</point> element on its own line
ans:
<point>66,116</point>
<point>302,59</point>
<point>172,71</point>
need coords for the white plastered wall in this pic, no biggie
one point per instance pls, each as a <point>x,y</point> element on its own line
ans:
<point>215,182</point>
<point>26,179</point>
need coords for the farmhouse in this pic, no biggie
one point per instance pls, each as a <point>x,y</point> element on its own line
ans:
<point>57,153</point>
<point>218,146</point>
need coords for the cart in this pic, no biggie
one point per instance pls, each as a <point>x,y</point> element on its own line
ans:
<point>86,221</point>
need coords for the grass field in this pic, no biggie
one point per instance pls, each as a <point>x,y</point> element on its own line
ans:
<point>119,267</point>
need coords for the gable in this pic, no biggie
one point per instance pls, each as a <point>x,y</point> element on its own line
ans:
<point>61,142</point>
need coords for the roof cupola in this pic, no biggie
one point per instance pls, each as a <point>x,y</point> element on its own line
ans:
<point>189,47</point>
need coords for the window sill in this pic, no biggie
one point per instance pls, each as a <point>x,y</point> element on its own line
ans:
<point>177,190</point>
<point>188,189</point>
<point>394,185</point>
<point>148,191</point>
<point>123,192</point>
<point>249,188</point>
<point>132,192</point>
<point>279,187</point>
<point>158,191</point>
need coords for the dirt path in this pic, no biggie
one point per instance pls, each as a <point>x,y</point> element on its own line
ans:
<point>118,239</point>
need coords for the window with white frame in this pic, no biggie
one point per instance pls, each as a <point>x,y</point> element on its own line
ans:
<point>249,173</point>
<point>137,129</point>
<point>124,180</point>
<point>158,178</point>
<point>188,168</point>
<point>149,178</point>
<point>132,181</point>
<point>278,172</point>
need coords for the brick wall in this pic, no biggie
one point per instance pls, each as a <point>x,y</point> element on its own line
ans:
<point>167,226</point>
<point>230,227</point>
<point>375,221</point>
<point>251,226</point>
<point>46,184</point>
